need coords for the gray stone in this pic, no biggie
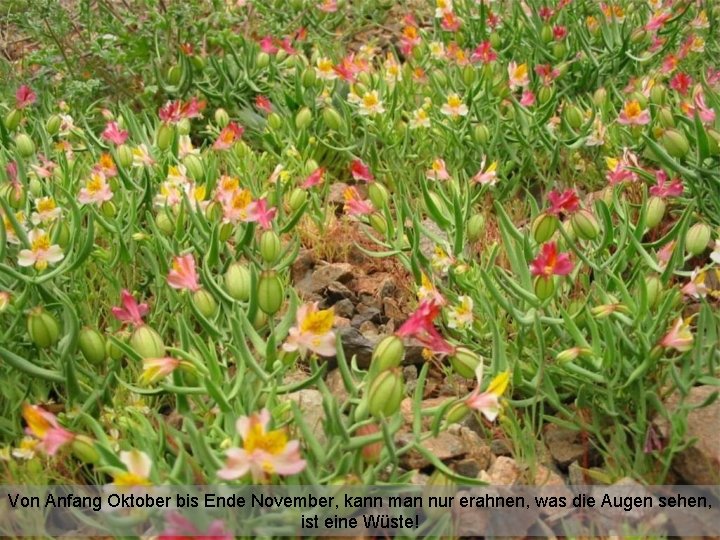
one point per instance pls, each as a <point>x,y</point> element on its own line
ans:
<point>344,308</point>
<point>310,402</point>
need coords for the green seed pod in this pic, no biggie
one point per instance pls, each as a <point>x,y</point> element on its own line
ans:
<point>165,223</point>
<point>468,75</point>
<point>237,282</point>
<point>226,231</point>
<point>585,224</point>
<point>113,351</point>
<point>15,194</point>
<point>174,75</point>
<point>654,289</point>
<point>83,448</point>
<point>270,246</point>
<point>475,227</point>
<point>638,36</point>
<point>274,121</point>
<point>197,62</point>
<point>108,209</point>
<point>124,156</point>
<point>332,119</point>
<point>222,118</point>
<point>544,287</point>
<point>260,320</point>
<point>573,116</point>
<point>303,119</point>
<point>388,354</point>
<point>666,118</point>
<point>440,78</point>
<point>655,212</point>
<point>385,393</point>
<point>270,292</point>
<point>378,195</point>
<point>195,167</point>
<point>697,238</point>
<point>60,233</point>
<point>92,345</point>
<point>657,94</point>
<point>25,145</point>
<point>183,127</point>
<point>546,34</point>
<point>164,137</point>
<point>147,342</point>
<point>457,413</point>
<point>43,328</point>
<point>543,227</point>
<point>545,94</point>
<point>713,142</point>
<point>12,119</point>
<point>262,60</point>
<point>378,223</point>
<point>35,187</point>
<point>495,40</point>
<point>297,199</point>
<point>481,134</point>
<point>600,97</point>
<point>205,303</point>
<point>309,77</point>
<point>675,143</point>
<point>559,51</point>
<point>465,362</point>
<point>52,126</point>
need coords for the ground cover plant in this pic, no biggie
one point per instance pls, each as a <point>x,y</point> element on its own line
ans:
<point>364,242</point>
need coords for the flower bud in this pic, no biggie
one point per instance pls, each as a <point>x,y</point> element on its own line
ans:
<point>543,227</point>
<point>546,34</point>
<point>388,354</point>
<point>666,117</point>
<point>657,94</point>
<point>260,320</point>
<point>568,355</point>
<point>147,342</point>
<point>385,393</point>
<point>43,328</point>
<point>274,121</point>
<point>303,118</point>
<point>600,97</point>
<point>52,126</point>
<point>475,227</point>
<point>585,224</point>
<point>378,223</point>
<point>655,212</point>
<point>653,287</point>
<point>165,223</point>
<point>226,230</point>
<point>262,60</point>
<point>559,51</point>
<point>25,145</point>
<point>270,292</point>
<point>297,199</point>
<point>237,282</point>
<point>378,195</point>
<point>113,351</point>
<point>195,167</point>
<point>697,238</point>
<point>183,126</point>
<point>370,452</point>
<point>457,413</point>
<point>544,287</point>
<point>440,78</point>
<point>124,156</point>
<point>60,234</point>
<point>270,246</point>
<point>92,345</point>
<point>12,119</point>
<point>83,448</point>
<point>332,119</point>
<point>713,142</point>
<point>495,40</point>
<point>468,75</point>
<point>174,75</point>
<point>675,143</point>
<point>36,187</point>
<point>205,302</point>
<point>573,116</point>
<point>165,134</point>
<point>108,209</point>
<point>481,134</point>
<point>465,362</point>
<point>222,118</point>
<point>545,94</point>
<point>308,77</point>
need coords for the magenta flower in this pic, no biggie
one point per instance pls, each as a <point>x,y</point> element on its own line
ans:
<point>259,212</point>
<point>355,205</point>
<point>230,133</point>
<point>565,202</point>
<point>183,275</point>
<point>634,115</point>
<point>420,326</point>
<point>174,111</point>
<point>681,83</point>
<point>267,45</point>
<point>114,134</point>
<point>360,171</point>
<point>24,97</point>
<point>44,426</point>
<point>263,103</point>
<point>315,178</point>
<point>484,53</point>
<point>527,99</point>
<point>131,312</point>
<point>549,262</point>
<point>663,188</point>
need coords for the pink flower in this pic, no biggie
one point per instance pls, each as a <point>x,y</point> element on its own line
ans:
<point>354,204</point>
<point>438,170</point>
<point>179,527</point>
<point>706,114</point>
<point>663,188</point>
<point>43,425</point>
<point>96,190</point>
<point>174,111</point>
<point>488,402</point>
<point>450,22</point>
<point>664,254</point>
<point>156,369</point>
<point>114,134</point>
<point>657,21</point>
<point>620,169</point>
<point>267,45</point>
<point>527,99</point>
<point>315,178</point>
<point>566,202</point>
<point>328,6</point>
<point>681,82</point>
<point>486,176</point>
<point>559,32</point>
<point>183,274</point>
<point>679,337</point>
<point>634,114</point>
<point>24,97</point>
<point>230,133</point>
<point>420,326</point>
<point>549,262</point>
<point>286,45</point>
<point>263,452</point>
<point>313,331</point>
<point>131,312</point>
<point>546,73</point>
<point>259,212</point>
<point>360,171</point>
<point>484,53</point>
<point>518,75</point>
<point>263,103</point>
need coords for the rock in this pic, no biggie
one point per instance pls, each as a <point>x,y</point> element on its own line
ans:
<point>302,266</point>
<point>344,308</point>
<point>504,471</point>
<point>336,385</point>
<point>576,475</point>
<point>365,314</point>
<point>563,445</point>
<point>392,311</point>
<point>368,329</point>
<point>546,477</point>
<point>467,467</point>
<point>700,463</point>
<point>410,374</point>
<point>336,291</point>
<point>444,447</point>
<point>356,344</point>
<point>478,450</point>
<point>341,322</point>
<point>406,409</point>
<point>310,402</point>
<point>372,288</point>
<point>315,283</point>
<point>336,194</point>
<point>501,447</point>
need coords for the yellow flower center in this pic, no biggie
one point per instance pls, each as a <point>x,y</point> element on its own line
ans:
<point>229,183</point>
<point>370,100</point>
<point>46,204</point>
<point>130,479</point>
<point>95,183</point>
<point>520,71</point>
<point>272,442</point>
<point>42,242</point>
<point>106,161</point>
<point>318,322</point>
<point>241,199</point>
<point>325,65</point>
<point>633,109</point>
<point>454,101</point>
